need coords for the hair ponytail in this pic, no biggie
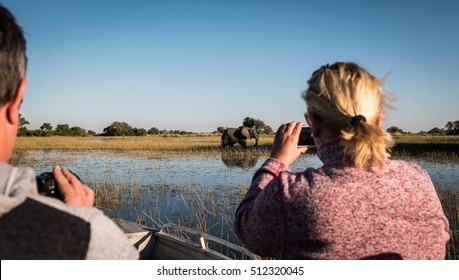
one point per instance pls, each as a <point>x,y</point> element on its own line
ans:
<point>366,144</point>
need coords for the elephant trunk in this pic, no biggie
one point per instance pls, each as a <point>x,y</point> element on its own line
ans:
<point>256,141</point>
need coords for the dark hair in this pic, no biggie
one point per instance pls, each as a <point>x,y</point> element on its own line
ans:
<point>13,58</point>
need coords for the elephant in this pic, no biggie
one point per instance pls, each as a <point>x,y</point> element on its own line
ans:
<point>239,135</point>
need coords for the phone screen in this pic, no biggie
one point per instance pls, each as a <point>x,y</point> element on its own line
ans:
<point>306,139</point>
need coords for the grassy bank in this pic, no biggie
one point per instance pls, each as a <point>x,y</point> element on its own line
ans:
<point>427,147</point>
<point>209,143</point>
<point>433,148</point>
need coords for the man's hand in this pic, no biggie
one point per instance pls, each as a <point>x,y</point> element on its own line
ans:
<point>72,190</point>
<point>285,143</point>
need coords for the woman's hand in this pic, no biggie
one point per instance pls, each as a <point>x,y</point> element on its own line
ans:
<point>72,190</point>
<point>285,143</point>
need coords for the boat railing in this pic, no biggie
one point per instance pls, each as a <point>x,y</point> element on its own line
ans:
<point>204,238</point>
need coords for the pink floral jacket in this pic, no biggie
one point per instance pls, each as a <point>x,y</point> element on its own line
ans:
<point>341,212</point>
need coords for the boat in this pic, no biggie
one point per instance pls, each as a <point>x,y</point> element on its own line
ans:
<point>176,242</point>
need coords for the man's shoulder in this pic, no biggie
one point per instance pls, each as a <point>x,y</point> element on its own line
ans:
<point>45,228</point>
<point>15,180</point>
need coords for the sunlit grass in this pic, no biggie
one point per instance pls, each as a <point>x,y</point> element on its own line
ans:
<point>431,148</point>
<point>164,143</point>
<point>426,139</point>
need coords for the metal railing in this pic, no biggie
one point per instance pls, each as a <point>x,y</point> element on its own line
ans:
<point>203,237</point>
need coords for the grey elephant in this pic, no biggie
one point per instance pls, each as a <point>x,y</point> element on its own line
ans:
<point>239,135</point>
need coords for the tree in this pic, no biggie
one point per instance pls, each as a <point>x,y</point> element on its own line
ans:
<point>153,130</point>
<point>22,121</point>
<point>394,129</point>
<point>436,130</point>
<point>258,124</point>
<point>140,131</point>
<point>22,129</point>
<point>452,128</point>
<point>268,129</point>
<point>46,127</point>
<point>119,129</point>
<point>248,122</point>
<point>76,131</point>
<point>62,129</point>
<point>220,129</point>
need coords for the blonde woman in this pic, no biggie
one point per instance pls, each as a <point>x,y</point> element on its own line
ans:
<point>359,204</point>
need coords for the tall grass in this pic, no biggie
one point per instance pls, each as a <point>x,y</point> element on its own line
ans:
<point>450,202</point>
<point>426,139</point>
<point>210,209</point>
<point>427,147</point>
<point>167,143</point>
<point>431,148</point>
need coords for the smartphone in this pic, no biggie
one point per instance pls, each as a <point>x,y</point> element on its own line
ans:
<point>306,139</point>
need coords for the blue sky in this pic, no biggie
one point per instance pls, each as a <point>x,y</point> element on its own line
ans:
<point>197,65</point>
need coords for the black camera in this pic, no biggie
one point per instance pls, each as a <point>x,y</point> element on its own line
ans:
<point>46,185</point>
<point>306,139</point>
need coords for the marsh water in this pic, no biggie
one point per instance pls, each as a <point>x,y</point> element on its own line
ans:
<point>199,191</point>
<point>211,170</point>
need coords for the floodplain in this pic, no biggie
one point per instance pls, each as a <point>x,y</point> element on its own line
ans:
<point>190,180</point>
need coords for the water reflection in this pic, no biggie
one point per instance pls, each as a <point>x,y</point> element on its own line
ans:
<point>227,169</point>
<point>242,160</point>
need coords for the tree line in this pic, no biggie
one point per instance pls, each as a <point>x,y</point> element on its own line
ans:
<point>451,128</point>
<point>114,129</point>
<point>118,128</point>
<point>47,130</point>
<point>124,129</point>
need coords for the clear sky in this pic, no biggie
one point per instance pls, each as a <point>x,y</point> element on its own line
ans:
<point>198,65</point>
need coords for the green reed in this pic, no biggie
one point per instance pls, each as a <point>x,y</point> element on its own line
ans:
<point>427,147</point>
<point>209,209</point>
<point>450,202</point>
<point>428,152</point>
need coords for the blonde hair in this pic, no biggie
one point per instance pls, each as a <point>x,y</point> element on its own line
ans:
<point>349,101</point>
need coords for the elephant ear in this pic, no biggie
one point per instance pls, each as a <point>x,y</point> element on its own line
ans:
<point>245,132</point>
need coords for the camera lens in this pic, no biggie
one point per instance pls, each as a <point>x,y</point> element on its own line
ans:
<point>46,185</point>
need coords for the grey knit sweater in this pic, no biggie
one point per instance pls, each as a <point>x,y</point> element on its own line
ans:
<point>37,227</point>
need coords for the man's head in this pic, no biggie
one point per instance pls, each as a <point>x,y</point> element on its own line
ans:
<point>12,79</point>
<point>12,56</point>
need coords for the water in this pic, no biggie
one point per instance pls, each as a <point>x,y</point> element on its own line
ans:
<point>211,170</point>
<point>197,191</point>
